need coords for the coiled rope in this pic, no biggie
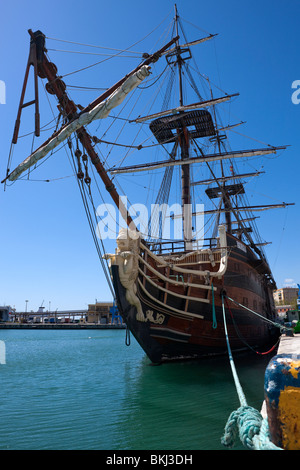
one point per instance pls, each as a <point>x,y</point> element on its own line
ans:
<point>246,421</point>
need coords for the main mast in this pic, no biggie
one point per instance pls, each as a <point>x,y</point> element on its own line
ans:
<point>183,138</point>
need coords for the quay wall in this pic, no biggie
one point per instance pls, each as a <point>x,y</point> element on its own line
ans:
<point>60,326</point>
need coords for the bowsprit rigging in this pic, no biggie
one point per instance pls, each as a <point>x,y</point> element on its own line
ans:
<point>67,107</point>
<point>169,288</point>
<point>84,182</point>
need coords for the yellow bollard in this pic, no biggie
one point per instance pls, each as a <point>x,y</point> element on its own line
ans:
<point>282,395</point>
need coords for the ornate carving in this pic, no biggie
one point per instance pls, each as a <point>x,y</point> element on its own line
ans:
<point>158,319</point>
<point>126,258</point>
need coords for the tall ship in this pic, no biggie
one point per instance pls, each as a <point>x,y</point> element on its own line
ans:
<point>189,243</point>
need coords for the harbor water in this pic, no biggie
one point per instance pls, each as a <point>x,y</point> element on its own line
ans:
<point>87,390</point>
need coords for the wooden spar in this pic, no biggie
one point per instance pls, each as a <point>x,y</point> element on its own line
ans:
<point>249,219</point>
<point>228,205</point>
<point>205,158</point>
<point>32,60</point>
<point>231,126</point>
<point>227,178</point>
<point>192,43</point>
<point>200,105</point>
<point>236,211</point>
<point>56,86</point>
<point>246,208</point>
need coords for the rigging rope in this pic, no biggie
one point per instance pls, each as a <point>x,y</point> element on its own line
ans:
<point>243,340</point>
<point>157,220</point>
<point>267,320</point>
<point>91,45</point>
<point>89,217</point>
<point>120,51</point>
<point>93,53</point>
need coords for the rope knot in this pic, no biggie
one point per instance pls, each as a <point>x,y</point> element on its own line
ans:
<point>251,427</point>
<point>245,421</point>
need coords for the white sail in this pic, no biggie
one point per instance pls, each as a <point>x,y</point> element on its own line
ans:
<point>101,111</point>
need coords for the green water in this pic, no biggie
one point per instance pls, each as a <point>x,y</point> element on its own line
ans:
<point>86,390</point>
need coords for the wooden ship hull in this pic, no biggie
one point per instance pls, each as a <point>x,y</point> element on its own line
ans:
<point>182,310</point>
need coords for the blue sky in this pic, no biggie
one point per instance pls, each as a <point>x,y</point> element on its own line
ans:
<point>47,253</point>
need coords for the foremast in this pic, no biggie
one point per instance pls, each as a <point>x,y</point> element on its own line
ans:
<point>43,68</point>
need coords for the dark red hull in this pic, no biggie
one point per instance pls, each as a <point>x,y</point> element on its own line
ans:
<point>167,335</point>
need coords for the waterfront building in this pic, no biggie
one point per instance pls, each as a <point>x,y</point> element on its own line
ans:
<point>5,313</point>
<point>100,312</point>
<point>285,295</point>
<point>287,313</point>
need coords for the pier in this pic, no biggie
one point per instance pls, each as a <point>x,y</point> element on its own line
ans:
<point>61,326</point>
<point>100,315</point>
<point>289,344</point>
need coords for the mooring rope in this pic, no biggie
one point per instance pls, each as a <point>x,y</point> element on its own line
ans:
<point>257,314</point>
<point>213,308</point>
<point>246,421</point>
<point>243,340</point>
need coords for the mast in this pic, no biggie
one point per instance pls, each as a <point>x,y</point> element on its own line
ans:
<point>225,198</point>
<point>179,59</point>
<point>183,138</point>
<point>57,87</point>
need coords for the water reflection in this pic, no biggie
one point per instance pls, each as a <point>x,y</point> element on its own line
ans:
<point>83,390</point>
<point>185,405</point>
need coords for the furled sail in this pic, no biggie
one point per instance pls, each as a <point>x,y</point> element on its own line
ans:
<point>101,111</point>
<point>206,158</point>
<point>202,104</point>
